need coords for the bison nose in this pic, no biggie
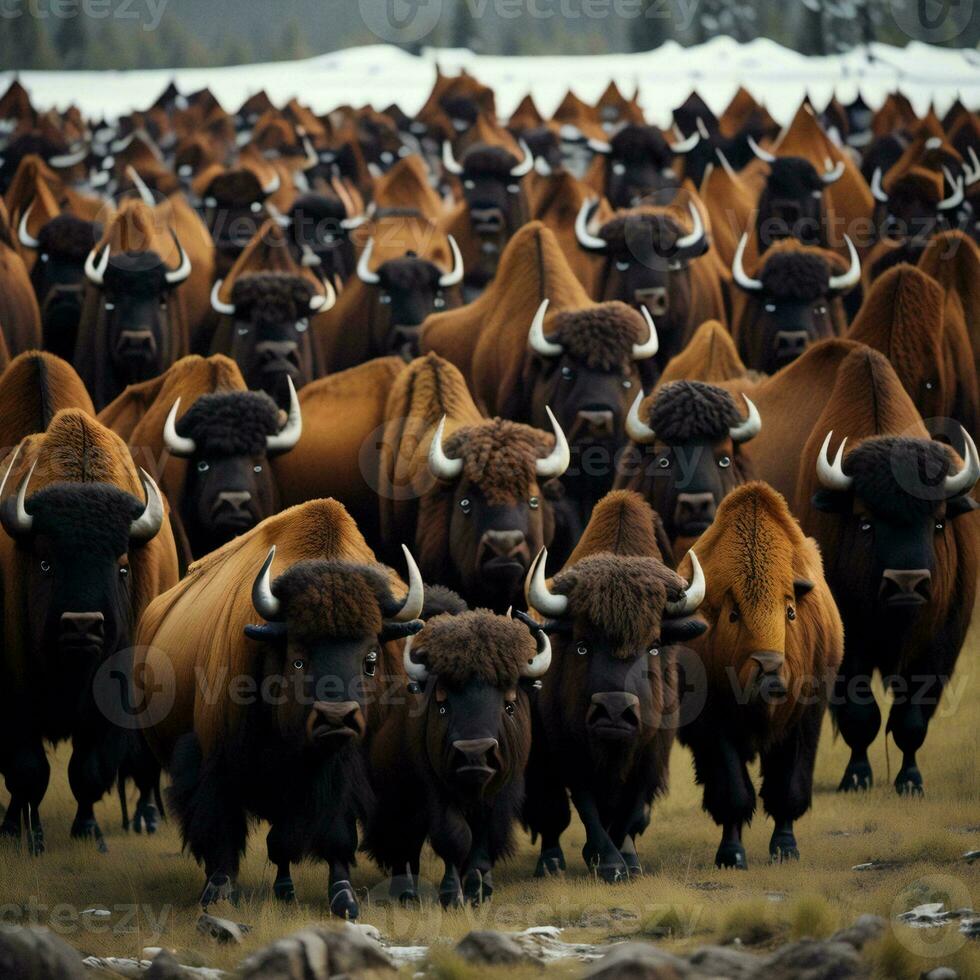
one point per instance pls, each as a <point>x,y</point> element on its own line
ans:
<point>82,629</point>
<point>274,355</point>
<point>595,422</point>
<point>235,501</point>
<point>487,220</point>
<point>693,512</point>
<point>905,586</point>
<point>335,719</point>
<point>134,343</point>
<point>614,712</point>
<point>476,755</point>
<point>790,344</point>
<point>503,544</point>
<point>769,684</point>
<point>654,298</point>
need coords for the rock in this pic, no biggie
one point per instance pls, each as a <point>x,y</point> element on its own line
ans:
<point>221,930</point>
<point>30,951</point>
<point>723,961</point>
<point>639,961</point>
<point>971,856</point>
<point>970,928</point>
<point>812,959</point>
<point>164,966</point>
<point>862,931</point>
<point>603,918</point>
<point>544,944</point>
<point>319,953</point>
<point>491,947</point>
<point>941,973</point>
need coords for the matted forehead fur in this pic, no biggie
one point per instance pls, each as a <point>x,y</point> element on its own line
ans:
<point>602,337</point>
<point>685,411</point>
<point>791,271</point>
<point>476,645</point>
<point>621,597</point>
<point>640,231</point>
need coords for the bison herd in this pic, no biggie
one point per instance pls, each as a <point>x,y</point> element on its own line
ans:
<point>394,479</point>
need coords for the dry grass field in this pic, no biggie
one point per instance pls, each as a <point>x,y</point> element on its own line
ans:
<point>682,901</point>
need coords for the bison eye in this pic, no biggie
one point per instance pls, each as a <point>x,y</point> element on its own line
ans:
<point>513,188</point>
<point>163,302</point>
<point>256,207</point>
<point>820,310</point>
<point>509,707</point>
<point>123,571</point>
<point>384,298</point>
<point>663,462</point>
<point>439,302</point>
<point>567,373</point>
<point>45,566</point>
<point>790,613</point>
<point>622,266</point>
<point>654,651</point>
<point>469,184</point>
<point>299,664</point>
<point>242,331</point>
<point>930,385</point>
<point>533,503</point>
<point>725,462</point>
<point>733,616</point>
<point>44,256</point>
<point>770,307</point>
<point>627,383</point>
<point>865,525</point>
<point>442,709</point>
<point>203,466</point>
<point>371,663</point>
<point>940,525</point>
<point>581,649</point>
<point>110,306</point>
<point>465,506</point>
<point>302,325</point>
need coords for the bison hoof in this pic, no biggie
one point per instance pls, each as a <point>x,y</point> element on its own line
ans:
<point>284,890</point>
<point>145,816</point>
<point>409,899</point>
<point>89,830</point>
<point>477,887</point>
<point>551,864</point>
<point>343,904</point>
<point>35,842</point>
<point>908,782</point>
<point>633,866</point>
<point>731,856</point>
<point>782,847</point>
<point>219,888</point>
<point>857,776</point>
<point>612,874</point>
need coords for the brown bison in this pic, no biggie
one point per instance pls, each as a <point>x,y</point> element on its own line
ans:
<point>656,259</point>
<point>470,492</point>
<point>86,546</point>
<point>686,454</point>
<point>710,356</point>
<point>605,718</point>
<point>448,763</point>
<point>894,522</point>
<point>770,659</point>
<point>287,748</point>
<point>791,302</point>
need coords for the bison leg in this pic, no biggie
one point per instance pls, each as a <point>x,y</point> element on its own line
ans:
<point>599,851</point>
<point>281,855</point>
<point>547,812</point>
<point>729,796</point>
<point>450,889</point>
<point>731,851</point>
<point>145,770</point>
<point>915,702</point>
<point>858,719</point>
<point>336,843</point>
<point>477,877</point>
<point>27,781</point>
<point>404,887</point>
<point>95,760</point>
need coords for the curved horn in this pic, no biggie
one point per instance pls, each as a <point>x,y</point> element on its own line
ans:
<point>636,428</point>
<point>725,165</point>
<point>309,259</point>
<point>956,198</point>
<point>748,429</point>
<point>832,475</point>
<point>364,272</point>
<point>289,434</point>
<point>273,185</point>
<point>448,160</point>
<point>556,462</point>
<point>219,305</point>
<point>759,151</point>
<point>21,522</point>
<point>538,665</point>
<point>582,233</point>
<point>150,521</point>
<point>687,241</point>
<point>263,601</point>
<point>418,673</point>
<point>64,160</point>
<point>321,302</point>
<point>962,482</point>
<point>26,238</point>
<point>652,344</point>
<point>692,596</point>
<point>524,167</point>
<point>536,591</point>
<point>877,191</point>
<point>95,272</point>
<point>972,169</point>
<point>455,276</point>
<point>9,470</point>
<point>415,600</point>
<point>852,276</point>
<point>536,339</point>
<point>176,276</point>
<point>738,270</point>
<point>179,445</point>
<point>312,157</point>
<point>146,195</point>
<point>685,146</point>
<point>598,146</point>
<point>832,176</point>
<point>440,464</point>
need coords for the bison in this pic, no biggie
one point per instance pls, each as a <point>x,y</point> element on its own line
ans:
<point>686,456</point>
<point>449,761</point>
<point>605,718</point>
<point>774,646</point>
<point>83,553</point>
<point>287,750</point>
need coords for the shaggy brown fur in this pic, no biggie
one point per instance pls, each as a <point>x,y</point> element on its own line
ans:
<point>602,337</point>
<point>795,274</point>
<point>622,523</point>
<point>489,161</point>
<point>68,236</point>
<point>474,645</point>
<point>685,411</point>
<point>231,424</point>
<point>710,356</point>
<point>271,297</point>
<point>644,228</point>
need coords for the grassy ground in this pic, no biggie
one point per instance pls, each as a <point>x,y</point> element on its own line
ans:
<point>683,901</point>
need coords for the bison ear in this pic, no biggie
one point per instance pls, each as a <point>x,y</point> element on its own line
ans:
<point>266,632</point>
<point>682,630</point>
<point>832,501</point>
<point>958,506</point>
<point>801,586</point>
